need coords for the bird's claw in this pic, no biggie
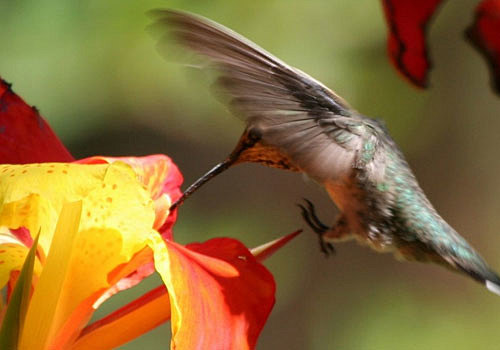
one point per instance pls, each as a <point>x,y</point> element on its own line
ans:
<point>310,217</point>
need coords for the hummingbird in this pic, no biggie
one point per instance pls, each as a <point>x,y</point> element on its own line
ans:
<point>296,123</point>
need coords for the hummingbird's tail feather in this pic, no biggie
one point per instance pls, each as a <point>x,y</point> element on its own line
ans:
<point>490,279</point>
<point>493,287</point>
<point>477,268</point>
<point>458,257</point>
<point>447,248</point>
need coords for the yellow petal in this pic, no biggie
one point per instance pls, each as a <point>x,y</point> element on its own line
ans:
<point>12,256</point>
<point>32,195</point>
<point>39,324</point>
<point>15,314</point>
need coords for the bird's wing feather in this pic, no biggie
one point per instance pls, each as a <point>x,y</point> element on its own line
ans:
<point>314,126</point>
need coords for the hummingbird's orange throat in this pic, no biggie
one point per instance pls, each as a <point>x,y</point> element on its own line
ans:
<point>267,155</point>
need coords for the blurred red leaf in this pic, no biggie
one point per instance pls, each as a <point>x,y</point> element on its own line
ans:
<point>407,22</point>
<point>24,135</point>
<point>484,34</point>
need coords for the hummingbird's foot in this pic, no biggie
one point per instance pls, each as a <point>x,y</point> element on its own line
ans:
<point>310,217</point>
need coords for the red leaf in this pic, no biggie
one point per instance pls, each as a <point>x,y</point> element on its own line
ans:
<point>484,34</point>
<point>25,137</point>
<point>407,21</point>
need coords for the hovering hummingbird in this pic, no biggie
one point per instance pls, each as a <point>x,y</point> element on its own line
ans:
<point>296,123</point>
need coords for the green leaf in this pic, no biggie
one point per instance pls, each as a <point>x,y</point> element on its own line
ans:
<point>18,305</point>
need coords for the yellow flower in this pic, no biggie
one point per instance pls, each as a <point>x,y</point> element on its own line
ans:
<point>117,218</point>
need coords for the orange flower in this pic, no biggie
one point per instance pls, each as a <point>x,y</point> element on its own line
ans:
<point>103,226</point>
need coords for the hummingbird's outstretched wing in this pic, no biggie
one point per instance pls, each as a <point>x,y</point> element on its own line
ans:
<point>292,111</point>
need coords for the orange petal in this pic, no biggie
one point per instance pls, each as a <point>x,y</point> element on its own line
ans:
<point>127,323</point>
<point>220,295</point>
<point>127,275</point>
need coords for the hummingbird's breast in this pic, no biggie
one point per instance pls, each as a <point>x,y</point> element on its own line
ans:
<point>366,220</point>
<point>373,202</point>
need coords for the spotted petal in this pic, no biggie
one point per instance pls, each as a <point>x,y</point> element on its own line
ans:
<point>162,179</point>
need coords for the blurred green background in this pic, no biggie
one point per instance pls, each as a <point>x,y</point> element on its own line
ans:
<point>93,71</point>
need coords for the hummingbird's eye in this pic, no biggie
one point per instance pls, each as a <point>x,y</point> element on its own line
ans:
<point>255,134</point>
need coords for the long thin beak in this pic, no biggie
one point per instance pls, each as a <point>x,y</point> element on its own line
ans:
<point>244,143</point>
<point>216,170</point>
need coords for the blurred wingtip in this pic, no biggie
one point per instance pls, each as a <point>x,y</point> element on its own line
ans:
<point>168,44</point>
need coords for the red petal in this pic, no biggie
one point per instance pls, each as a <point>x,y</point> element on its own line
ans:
<point>484,34</point>
<point>172,186</point>
<point>23,235</point>
<point>220,295</point>
<point>24,135</point>
<point>407,21</point>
